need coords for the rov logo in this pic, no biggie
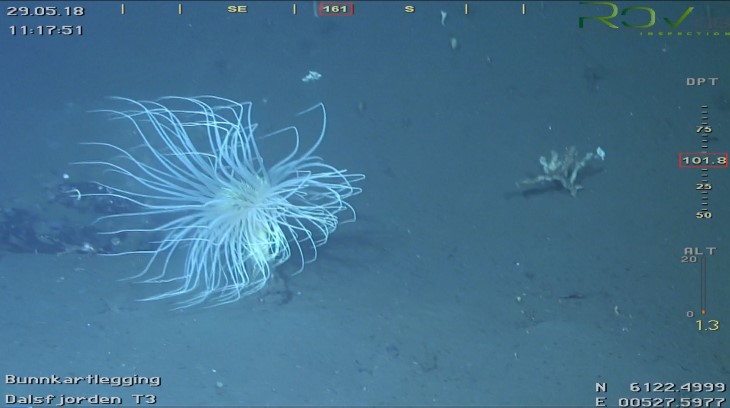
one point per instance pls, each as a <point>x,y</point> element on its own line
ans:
<point>651,17</point>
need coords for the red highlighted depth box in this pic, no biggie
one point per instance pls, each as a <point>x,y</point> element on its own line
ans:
<point>703,160</point>
<point>335,8</point>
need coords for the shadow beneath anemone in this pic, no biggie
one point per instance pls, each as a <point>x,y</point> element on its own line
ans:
<point>352,244</point>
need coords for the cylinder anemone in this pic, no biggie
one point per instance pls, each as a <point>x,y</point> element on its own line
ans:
<point>202,188</point>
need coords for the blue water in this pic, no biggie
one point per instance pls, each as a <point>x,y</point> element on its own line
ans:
<point>455,286</point>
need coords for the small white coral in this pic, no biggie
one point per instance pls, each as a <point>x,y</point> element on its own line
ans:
<point>564,169</point>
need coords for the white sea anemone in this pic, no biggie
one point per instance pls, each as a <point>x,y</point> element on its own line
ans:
<point>200,175</point>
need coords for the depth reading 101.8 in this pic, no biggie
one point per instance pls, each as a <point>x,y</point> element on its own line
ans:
<point>704,160</point>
